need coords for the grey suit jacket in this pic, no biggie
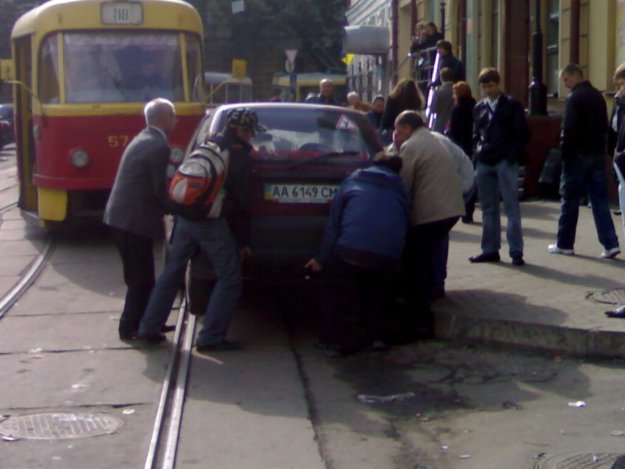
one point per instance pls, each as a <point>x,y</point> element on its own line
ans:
<point>139,197</point>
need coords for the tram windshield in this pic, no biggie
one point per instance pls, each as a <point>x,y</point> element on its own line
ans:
<point>120,66</point>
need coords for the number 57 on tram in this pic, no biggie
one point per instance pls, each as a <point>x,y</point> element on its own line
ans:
<point>82,71</point>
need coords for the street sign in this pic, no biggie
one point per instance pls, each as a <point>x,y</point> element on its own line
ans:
<point>239,68</point>
<point>291,54</point>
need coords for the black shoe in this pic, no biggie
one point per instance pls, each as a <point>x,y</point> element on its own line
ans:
<point>221,346</point>
<point>468,219</point>
<point>379,346</point>
<point>518,260</point>
<point>127,336</point>
<point>437,293</point>
<point>168,328</point>
<point>152,338</point>
<point>619,313</point>
<point>485,257</point>
<point>331,350</point>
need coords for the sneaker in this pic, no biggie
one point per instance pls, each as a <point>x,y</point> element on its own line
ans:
<point>554,249</point>
<point>610,253</point>
<point>221,346</point>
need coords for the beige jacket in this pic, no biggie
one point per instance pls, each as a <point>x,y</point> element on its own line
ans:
<point>431,178</point>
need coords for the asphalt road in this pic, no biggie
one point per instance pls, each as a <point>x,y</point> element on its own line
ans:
<point>278,403</point>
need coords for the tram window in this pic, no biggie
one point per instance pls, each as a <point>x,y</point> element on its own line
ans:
<point>122,67</point>
<point>49,70</point>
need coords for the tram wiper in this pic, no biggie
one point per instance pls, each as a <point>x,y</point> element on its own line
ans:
<point>118,84</point>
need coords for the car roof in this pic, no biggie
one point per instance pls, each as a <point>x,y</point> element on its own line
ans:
<point>292,106</point>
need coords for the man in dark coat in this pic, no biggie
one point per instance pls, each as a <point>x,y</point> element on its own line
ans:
<point>136,206</point>
<point>325,96</point>
<point>450,61</point>
<point>376,112</point>
<point>213,237</point>
<point>501,134</point>
<point>582,145</point>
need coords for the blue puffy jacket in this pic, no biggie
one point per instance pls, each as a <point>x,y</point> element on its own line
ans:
<point>369,216</point>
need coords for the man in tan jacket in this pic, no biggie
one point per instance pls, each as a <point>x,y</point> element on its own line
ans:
<point>431,179</point>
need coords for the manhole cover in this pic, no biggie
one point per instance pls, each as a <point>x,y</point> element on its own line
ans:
<point>577,461</point>
<point>58,426</point>
<point>611,297</point>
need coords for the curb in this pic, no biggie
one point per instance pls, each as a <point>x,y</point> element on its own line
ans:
<point>540,337</point>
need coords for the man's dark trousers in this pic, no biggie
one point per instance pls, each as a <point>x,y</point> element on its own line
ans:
<point>417,265</point>
<point>581,175</point>
<point>353,301</point>
<point>137,256</point>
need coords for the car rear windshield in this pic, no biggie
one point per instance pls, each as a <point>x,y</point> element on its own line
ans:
<point>291,134</point>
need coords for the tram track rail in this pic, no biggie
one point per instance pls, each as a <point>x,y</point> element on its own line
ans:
<point>164,441</point>
<point>29,275</point>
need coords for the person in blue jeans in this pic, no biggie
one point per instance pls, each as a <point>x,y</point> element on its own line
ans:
<point>501,134</point>
<point>213,238</point>
<point>582,144</point>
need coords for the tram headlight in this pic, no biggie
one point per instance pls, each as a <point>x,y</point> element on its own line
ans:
<point>80,158</point>
<point>177,155</point>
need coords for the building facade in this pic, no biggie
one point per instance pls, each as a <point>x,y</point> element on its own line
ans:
<point>498,33</point>
<point>502,34</point>
<point>369,73</point>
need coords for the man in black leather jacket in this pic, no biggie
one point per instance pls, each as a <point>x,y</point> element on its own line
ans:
<point>583,146</point>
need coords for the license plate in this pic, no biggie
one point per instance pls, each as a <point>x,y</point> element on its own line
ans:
<point>300,193</point>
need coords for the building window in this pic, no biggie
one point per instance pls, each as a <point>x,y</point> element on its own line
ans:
<point>553,48</point>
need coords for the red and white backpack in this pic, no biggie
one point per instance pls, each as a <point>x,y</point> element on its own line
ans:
<point>196,188</point>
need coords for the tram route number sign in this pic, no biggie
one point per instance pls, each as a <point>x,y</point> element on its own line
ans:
<point>122,13</point>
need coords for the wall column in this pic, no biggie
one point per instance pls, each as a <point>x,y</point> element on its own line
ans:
<point>516,33</point>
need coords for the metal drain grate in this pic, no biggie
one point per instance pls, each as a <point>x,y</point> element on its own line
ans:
<point>577,461</point>
<point>611,297</point>
<point>58,426</point>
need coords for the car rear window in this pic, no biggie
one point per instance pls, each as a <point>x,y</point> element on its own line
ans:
<point>291,134</point>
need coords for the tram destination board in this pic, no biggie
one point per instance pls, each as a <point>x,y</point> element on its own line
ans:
<point>122,13</point>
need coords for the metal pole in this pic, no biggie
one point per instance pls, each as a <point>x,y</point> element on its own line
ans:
<point>443,19</point>
<point>395,38</point>
<point>537,89</point>
<point>574,32</point>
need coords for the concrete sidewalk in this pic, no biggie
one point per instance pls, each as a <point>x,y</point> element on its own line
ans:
<point>553,303</point>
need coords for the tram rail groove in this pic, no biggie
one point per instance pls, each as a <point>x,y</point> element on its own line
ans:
<point>28,277</point>
<point>164,440</point>
<point>8,207</point>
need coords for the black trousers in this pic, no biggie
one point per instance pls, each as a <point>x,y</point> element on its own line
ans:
<point>417,265</point>
<point>137,253</point>
<point>353,304</point>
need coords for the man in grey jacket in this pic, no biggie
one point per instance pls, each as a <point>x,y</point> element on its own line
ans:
<point>136,207</point>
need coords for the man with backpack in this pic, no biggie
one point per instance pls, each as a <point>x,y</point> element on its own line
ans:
<point>135,209</point>
<point>212,235</point>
